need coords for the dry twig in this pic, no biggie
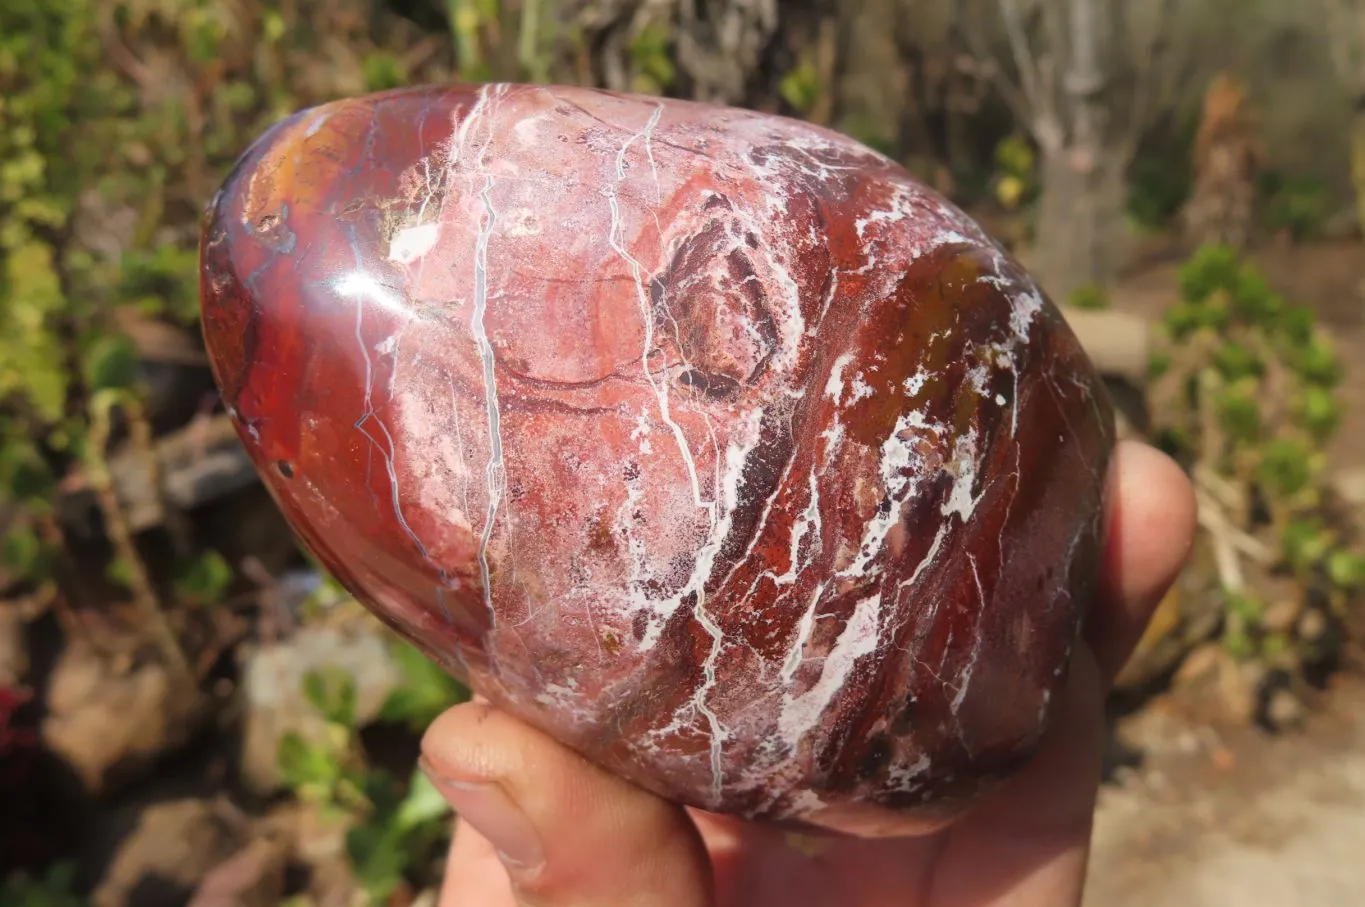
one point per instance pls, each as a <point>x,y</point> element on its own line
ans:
<point>121,534</point>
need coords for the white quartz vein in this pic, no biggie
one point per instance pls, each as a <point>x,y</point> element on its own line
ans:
<point>495,473</point>
<point>859,638</point>
<point>964,679</point>
<point>616,238</point>
<point>803,631</point>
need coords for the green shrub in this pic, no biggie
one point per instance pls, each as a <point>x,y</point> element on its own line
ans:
<point>1296,205</point>
<point>1245,394</point>
<point>393,828</point>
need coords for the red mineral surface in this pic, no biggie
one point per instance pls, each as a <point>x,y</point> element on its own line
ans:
<point>710,442</point>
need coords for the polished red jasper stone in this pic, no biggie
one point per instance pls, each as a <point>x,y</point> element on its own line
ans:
<point>707,441</point>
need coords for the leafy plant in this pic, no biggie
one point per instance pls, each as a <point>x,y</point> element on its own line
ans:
<point>521,41</point>
<point>652,57</point>
<point>392,827</point>
<point>1294,204</point>
<point>1016,181</point>
<point>1159,182</point>
<point>203,578</point>
<point>426,690</point>
<point>1245,394</point>
<point>801,87</point>
<point>1090,297</point>
<point>55,889</point>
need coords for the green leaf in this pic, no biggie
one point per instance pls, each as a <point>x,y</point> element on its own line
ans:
<point>166,277</point>
<point>273,25</point>
<point>119,572</point>
<point>331,691</point>
<point>383,71</point>
<point>204,579</point>
<point>650,52</point>
<point>425,692</point>
<point>1304,544</point>
<point>1248,609</point>
<point>422,804</point>
<point>1317,363</point>
<point>1180,320</point>
<point>1238,643</point>
<point>1319,411</point>
<point>1254,300</point>
<point>1090,297</point>
<point>315,691</point>
<point>1210,269</point>
<point>303,766</point>
<point>1236,361</point>
<point>801,87</point>
<point>21,549</point>
<point>1296,323</point>
<point>1295,204</point>
<point>1185,318</point>
<point>1014,156</point>
<point>377,855</point>
<point>104,400</point>
<point>397,832</point>
<point>31,354</point>
<point>24,474</point>
<point>111,362</point>
<point>56,889</point>
<point>1239,411</point>
<point>1285,466</point>
<point>1275,646</point>
<point>1346,569</point>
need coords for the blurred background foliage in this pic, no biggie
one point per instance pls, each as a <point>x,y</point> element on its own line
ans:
<point>132,554</point>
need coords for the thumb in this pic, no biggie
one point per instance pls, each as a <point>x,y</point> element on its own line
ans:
<point>567,833</point>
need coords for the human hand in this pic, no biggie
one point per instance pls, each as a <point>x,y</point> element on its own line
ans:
<point>542,826</point>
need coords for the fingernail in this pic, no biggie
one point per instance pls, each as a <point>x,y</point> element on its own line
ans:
<point>490,812</point>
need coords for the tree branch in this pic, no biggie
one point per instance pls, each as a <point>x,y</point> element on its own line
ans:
<point>1030,76</point>
<point>199,464</point>
<point>1154,78</point>
<point>988,68</point>
<point>1058,39</point>
<point>121,536</point>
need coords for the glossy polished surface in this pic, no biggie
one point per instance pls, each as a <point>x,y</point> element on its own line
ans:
<point>709,442</point>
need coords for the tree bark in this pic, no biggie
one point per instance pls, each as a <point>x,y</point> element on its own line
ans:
<point>1079,234</point>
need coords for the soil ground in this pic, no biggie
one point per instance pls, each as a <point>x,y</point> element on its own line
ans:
<point>1233,816</point>
<point>1229,818</point>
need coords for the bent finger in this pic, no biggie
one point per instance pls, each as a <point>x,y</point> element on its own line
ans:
<point>568,833</point>
<point>1151,523</point>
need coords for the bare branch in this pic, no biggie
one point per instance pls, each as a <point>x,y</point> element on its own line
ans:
<point>1155,79</point>
<point>1049,67</point>
<point>1055,27</point>
<point>1024,61</point>
<point>121,535</point>
<point>197,465</point>
<point>988,68</point>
